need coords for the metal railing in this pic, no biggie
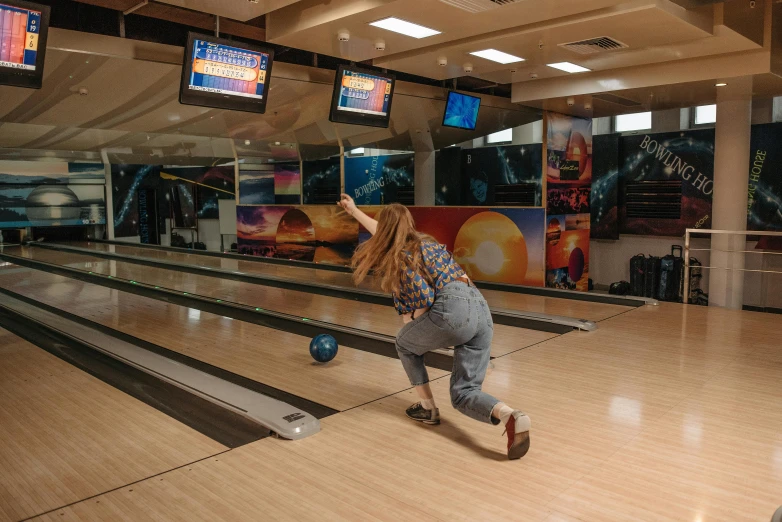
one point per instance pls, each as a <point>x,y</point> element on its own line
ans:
<point>732,234</point>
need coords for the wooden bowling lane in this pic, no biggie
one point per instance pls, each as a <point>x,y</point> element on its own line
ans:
<point>354,314</point>
<point>526,302</point>
<point>275,358</point>
<point>627,424</point>
<point>66,436</point>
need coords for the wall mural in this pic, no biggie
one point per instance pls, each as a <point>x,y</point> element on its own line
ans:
<point>486,167</point>
<point>605,187</point>
<point>256,185</point>
<point>46,194</point>
<point>318,233</point>
<point>374,180</point>
<point>685,156</point>
<point>287,184</point>
<point>186,193</point>
<point>568,194</point>
<point>764,209</point>
<point>320,180</point>
<point>492,244</point>
<point>470,176</point>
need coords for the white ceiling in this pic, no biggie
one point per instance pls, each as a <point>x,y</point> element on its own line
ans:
<point>241,10</point>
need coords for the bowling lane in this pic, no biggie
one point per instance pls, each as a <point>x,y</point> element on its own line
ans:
<point>273,357</point>
<point>66,436</point>
<point>510,300</point>
<point>364,316</point>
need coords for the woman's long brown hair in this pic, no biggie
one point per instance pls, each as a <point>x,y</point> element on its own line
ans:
<point>396,244</point>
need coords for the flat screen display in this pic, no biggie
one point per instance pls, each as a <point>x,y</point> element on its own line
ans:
<point>225,75</point>
<point>362,97</point>
<point>23,30</point>
<point>461,111</point>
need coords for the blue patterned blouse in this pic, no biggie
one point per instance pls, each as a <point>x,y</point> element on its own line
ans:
<point>415,293</point>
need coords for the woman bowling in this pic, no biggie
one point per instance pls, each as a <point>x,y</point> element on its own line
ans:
<point>440,308</point>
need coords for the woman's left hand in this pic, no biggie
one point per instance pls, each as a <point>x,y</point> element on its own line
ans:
<point>407,318</point>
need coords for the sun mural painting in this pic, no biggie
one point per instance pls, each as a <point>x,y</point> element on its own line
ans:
<point>490,247</point>
<point>296,236</point>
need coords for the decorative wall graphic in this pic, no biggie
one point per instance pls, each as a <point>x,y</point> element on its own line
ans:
<point>764,210</point>
<point>44,172</point>
<point>207,206</point>
<point>568,199</point>
<point>256,185</point>
<point>287,184</point>
<point>492,244</point>
<point>567,252</point>
<point>319,233</point>
<point>320,180</point>
<point>605,187</point>
<point>569,148</point>
<point>486,167</point>
<point>125,182</point>
<point>51,205</point>
<point>374,180</point>
<point>221,178</point>
<point>677,156</point>
<point>448,177</point>
<point>44,194</point>
<point>184,192</point>
<point>569,178</point>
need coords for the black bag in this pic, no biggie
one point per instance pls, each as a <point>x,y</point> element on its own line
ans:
<point>619,288</point>
<point>652,277</point>
<point>671,275</point>
<point>637,269</point>
<point>696,274</point>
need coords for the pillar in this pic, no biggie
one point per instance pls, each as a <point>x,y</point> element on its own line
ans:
<point>729,204</point>
<point>424,178</point>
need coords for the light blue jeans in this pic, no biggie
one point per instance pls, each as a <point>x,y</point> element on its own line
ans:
<point>459,317</point>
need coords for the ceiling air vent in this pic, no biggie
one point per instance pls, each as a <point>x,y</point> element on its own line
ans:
<point>601,44</point>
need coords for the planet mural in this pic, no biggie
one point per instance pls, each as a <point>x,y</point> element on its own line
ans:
<point>577,151</point>
<point>295,236</point>
<point>49,204</point>
<point>575,267</point>
<point>490,247</point>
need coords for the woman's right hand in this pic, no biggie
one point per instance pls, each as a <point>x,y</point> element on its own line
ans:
<point>347,203</point>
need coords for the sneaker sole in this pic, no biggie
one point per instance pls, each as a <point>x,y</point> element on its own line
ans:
<point>425,421</point>
<point>516,452</point>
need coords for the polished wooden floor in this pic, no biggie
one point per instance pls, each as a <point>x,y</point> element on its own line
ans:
<point>530,303</point>
<point>66,436</point>
<point>354,314</point>
<point>666,413</point>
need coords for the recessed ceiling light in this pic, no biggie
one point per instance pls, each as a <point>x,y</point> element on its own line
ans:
<point>406,28</point>
<point>720,84</point>
<point>568,67</point>
<point>497,56</point>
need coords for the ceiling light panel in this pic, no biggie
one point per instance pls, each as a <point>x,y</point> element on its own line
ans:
<point>568,67</point>
<point>497,56</point>
<point>403,27</point>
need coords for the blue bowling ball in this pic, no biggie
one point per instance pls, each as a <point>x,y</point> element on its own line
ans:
<point>323,348</point>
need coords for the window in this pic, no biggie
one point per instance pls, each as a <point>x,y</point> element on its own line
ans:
<point>500,137</point>
<point>705,114</point>
<point>633,122</point>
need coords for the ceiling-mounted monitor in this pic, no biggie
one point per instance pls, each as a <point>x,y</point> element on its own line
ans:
<point>461,111</point>
<point>24,27</point>
<point>362,97</point>
<point>224,74</point>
